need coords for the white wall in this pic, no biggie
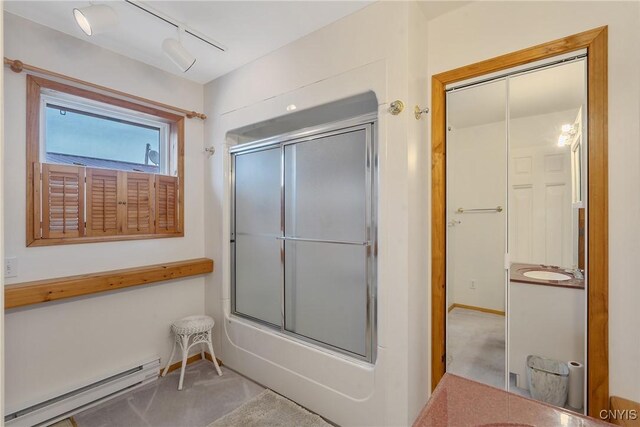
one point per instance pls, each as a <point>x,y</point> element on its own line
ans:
<point>374,49</point>
<point>419,348</point>
<point>56,345</point>
<point>483,30</point>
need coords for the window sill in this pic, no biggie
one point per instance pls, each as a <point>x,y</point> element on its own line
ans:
<point>94,239</point>
<point>41,291</point>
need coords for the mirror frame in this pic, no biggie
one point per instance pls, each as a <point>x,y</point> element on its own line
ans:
<point>595,41</point>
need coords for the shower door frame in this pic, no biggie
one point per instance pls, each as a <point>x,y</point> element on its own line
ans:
<point>368,123</point>
<point>595,41</point>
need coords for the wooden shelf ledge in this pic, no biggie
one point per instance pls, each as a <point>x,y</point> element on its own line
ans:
<point>41,291</point>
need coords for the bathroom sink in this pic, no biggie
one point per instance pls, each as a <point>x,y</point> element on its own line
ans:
<point>546,275</point>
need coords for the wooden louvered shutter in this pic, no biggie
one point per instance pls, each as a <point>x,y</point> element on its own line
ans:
<point>102,202</point>
<point>166,204</point>
<point>62,201</point>
<point>137,203</point>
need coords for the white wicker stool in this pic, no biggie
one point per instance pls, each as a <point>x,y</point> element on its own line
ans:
<point>188,332</point>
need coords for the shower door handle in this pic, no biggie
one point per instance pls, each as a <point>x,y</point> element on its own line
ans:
<point>337,242</point>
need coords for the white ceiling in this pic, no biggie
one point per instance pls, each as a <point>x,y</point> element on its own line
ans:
<point>544,91</point>
<point>248,29</point>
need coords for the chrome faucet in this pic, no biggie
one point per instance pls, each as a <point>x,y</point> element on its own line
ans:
<point>578,273</point>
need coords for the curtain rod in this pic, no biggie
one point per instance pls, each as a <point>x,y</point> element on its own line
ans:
<point>18,66</point>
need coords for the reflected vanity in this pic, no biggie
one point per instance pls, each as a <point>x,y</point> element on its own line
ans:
<point>516,285</point>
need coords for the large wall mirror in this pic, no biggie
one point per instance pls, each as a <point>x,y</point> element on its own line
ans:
<point>519,223</point>
<point>514,176</point>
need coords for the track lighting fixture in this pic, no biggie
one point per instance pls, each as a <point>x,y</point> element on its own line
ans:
<point>178,53</point>
<point>95,19</point>
<point>98,18</point>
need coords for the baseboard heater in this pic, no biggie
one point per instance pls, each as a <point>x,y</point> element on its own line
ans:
<point>49,411</point>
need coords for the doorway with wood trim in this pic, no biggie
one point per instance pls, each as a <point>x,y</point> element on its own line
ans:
<point>594,42</point>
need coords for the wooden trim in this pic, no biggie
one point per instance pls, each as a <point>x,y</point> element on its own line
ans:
<point>438,232</point>
<point>595,41</point>
<point>40,291</point>
<point>475,308</point>
<point>192,359</point>
<point>95,239</point>
<point>33,159</point>
<point>177,132</point>
<point>624,412</point>
<point>33,214</point>
<point>18,66</point>
<point>106,99</point>
<point>598,228</point>
<point>36,209</point>
<point>524,56</point>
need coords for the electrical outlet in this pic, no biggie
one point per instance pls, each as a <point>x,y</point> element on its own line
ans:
<point>473,284</point>
<point>11,267</point>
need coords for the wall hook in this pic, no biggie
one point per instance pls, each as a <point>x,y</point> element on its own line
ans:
<point>210,150</point>
<point>418,112</point>
<point>396,107</point>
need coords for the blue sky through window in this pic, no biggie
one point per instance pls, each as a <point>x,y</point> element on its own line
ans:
<point>86,135</point>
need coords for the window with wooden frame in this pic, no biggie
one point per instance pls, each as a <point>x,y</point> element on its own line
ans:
<point>100,168</point>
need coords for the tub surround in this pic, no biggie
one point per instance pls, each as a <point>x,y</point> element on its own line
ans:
<point>518,270</point>
<point>460,402</point>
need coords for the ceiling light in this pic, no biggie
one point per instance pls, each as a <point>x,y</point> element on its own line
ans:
<point>291,107</point>
<point>568,132</point>
<point>95,19</point>
<point>178,54</point>
<point>562,140</point>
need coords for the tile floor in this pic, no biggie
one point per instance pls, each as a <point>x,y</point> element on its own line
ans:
<point>204,398</point>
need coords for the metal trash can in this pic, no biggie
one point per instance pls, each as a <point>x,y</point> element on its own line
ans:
<point>548,380</point>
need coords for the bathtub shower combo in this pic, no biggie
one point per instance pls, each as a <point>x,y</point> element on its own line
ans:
<point>303,227</point>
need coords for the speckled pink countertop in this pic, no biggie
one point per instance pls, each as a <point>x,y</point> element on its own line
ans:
<point>458,402</point>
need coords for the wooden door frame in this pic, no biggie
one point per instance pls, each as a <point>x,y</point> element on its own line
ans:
<point>595,41</point>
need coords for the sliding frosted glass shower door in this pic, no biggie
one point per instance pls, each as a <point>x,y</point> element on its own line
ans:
<point>303,236</point>
<point>257,290</point>
<point>327,185</point>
